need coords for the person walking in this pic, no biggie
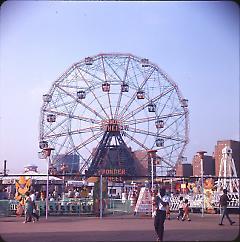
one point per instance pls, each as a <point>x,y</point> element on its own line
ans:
<point>168,211</point>
<point>161,203</point>
<point>180,208</point>
<point>28,208</point>
<point>186,211</point>
<point>33,198</point>
<point>223,207</point>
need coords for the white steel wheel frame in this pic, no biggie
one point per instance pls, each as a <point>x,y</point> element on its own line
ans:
<point>78,124</point>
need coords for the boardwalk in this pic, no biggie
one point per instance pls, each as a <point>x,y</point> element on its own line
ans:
<point>117,228</point>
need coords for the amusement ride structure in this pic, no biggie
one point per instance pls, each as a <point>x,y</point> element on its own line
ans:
<point>227,178</point>
<point>105,107</point>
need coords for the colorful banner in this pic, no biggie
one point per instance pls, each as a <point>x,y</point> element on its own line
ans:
<point>22,186</point>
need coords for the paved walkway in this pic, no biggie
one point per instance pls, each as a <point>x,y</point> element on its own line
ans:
<point>117,228</point>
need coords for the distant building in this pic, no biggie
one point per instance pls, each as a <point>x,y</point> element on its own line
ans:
<point>31,167</point>
<point>71,161</point>
<point>208,165</point>
<point>235,146</point>
<point>184,170</point>
<point>143,163</point>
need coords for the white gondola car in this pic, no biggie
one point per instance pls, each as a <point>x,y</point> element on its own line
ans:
<point>105,87</point>
<point>140,94</point>
<point>145,62</point>
<point>47,98</point>
<point>159,124</point>
<point>43,144</point>
<point>88,61</point>
<point>51,118</point>
<point>184,103</point>
<point>124,87</point>
<point>151,107</point>
<point>159,142</point>
<point>81,94</point>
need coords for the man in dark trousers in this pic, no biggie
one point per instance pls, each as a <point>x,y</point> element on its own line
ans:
<point>223,203</point>
<point>161,202</point>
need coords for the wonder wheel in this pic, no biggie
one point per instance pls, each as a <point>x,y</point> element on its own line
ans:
<point>116,106</point>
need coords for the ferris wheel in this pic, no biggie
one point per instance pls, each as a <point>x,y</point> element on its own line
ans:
<point>119,95</point>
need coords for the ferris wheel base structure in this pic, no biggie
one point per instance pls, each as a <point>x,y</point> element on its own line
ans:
<point>108,106</point>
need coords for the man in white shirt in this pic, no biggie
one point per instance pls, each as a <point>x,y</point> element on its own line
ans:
<point>33,198</point>
<point>161,202</point>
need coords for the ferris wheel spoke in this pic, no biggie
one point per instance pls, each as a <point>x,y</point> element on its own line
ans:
<point>167,162</point>
<point>89,120</point>
<point>166,147</point>
<point>105,77</point>
<point>168,126</point>
<point>66,74</point>
<point>165,104</point>
<point>91,74</point>
<point>62,145</point>
<point>140,120</point>
<point>136,141</point>
<point>59,105</point>
<point>86,142</point>
<point>141,131</point>
<point>174,149</point>
<point>73,132</point>
<point>140,108</point>
<point>79,153</point>
<point>83,104</point>
<point>93,94</point>
<point>120,94</point>
<point>145,132</point>
<point>86,163</point>
<point>126,107</point>
<point>118,105</point>
<point>90,88</point>
<point>154,118</point>
<point>113,71</point>
<point>51,129</point>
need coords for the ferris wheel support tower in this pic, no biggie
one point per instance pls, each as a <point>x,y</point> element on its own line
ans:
<point>227,177</point>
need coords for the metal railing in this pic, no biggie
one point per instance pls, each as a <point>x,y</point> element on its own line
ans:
<point>85,206</point>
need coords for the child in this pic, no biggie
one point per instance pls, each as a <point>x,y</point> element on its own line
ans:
<point>180,208</point>
<point>19,210</point>
<point>186,210</point>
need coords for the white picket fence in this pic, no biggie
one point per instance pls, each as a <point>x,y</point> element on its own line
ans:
<point>195,201</point>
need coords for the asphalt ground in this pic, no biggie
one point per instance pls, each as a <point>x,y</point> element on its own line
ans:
<point>117,228</point>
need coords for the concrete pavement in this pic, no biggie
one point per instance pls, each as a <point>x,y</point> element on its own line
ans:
<point>117,228</point>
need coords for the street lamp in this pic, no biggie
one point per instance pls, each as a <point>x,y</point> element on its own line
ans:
<point>47,153</point>
<point>152,155</point>
<point>201,155</point>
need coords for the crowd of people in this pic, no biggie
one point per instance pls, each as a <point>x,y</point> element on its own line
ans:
<point>29,209</point>
<point>161,204</point>
<point>55,196</point>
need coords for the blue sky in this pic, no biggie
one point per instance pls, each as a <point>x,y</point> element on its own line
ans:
<point>196,43</point>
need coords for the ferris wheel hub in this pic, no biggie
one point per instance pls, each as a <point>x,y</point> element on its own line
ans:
<point>113,125</point>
